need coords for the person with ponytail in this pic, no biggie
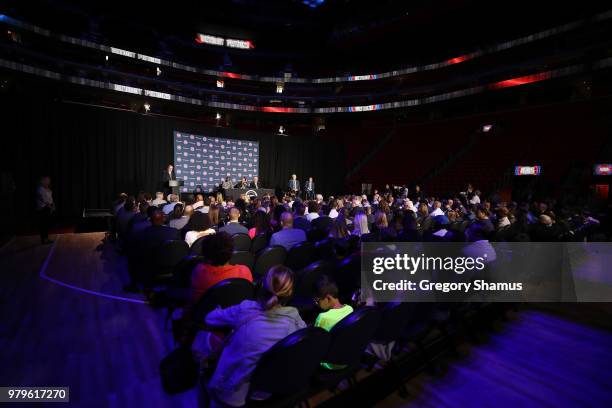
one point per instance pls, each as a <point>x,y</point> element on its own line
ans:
<point>256,325</point>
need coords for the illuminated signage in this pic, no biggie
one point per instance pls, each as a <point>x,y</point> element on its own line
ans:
<point>227,42</point>
<point>527,170</point>
<point>602,169</point>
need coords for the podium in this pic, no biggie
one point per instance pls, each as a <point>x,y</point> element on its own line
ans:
<point>174,186</point>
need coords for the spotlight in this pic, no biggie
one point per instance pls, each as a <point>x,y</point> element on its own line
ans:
<point>486,128</point>
<point>281,130</point>
<point>158,71</point>
<point>218,116</point>
<point>279,88</point>
<point>147,107</point>
<point>106,58</point>
<point>220,83</point>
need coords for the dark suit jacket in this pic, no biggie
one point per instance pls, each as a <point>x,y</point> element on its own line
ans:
<point>309,188</point>
<point>152,237</point>
<point>234,228</point>
<point>297,183</point>
<point>252,185</point>
<point>166,177</point>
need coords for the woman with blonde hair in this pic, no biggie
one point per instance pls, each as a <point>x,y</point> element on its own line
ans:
<point>256,326</point>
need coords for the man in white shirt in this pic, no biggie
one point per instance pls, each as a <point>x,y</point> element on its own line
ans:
<point>313,211</point>
<point>168,208</point>
<point>437,209</point>
<point>159,199</point>
<point>199,198</point>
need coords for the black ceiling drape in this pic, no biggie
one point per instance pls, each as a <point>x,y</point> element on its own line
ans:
<point>93,153</point>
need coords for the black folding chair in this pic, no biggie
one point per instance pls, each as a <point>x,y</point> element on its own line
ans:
<point>226,293</point>
<point>242,242</point>
<point>165,258</point>
<point>245,258</point>
<point>300,255</point>
<point>196,247</point>
<point>268,258</point>
<point>259,242</point>
<point>285,369</point>
<point>349,338</point>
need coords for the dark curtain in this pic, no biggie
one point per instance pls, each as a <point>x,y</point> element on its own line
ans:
<point>93,153</point>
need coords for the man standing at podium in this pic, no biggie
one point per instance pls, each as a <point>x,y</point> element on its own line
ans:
<point>294,185</point>
<point>167,175</point>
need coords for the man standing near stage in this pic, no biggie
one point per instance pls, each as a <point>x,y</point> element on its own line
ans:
<point>167,175</point>
<point>294,185</point>
<point>310,189</point>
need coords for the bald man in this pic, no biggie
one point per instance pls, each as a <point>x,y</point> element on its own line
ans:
<point>288,236</point>
<point>233,226</point>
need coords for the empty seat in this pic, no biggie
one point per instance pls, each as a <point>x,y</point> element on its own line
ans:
<point>324,249</point>
<point>348,276</point>
<point>242,242</point>
<point>268,258</point>
<point>300,255</point>
<point>245,258</point>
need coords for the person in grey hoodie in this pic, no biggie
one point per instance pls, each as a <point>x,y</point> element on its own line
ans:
<point>256,326</point>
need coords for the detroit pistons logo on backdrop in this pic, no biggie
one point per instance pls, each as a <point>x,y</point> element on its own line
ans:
<point>210,156</point>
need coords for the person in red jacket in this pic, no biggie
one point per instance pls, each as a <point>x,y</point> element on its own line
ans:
<point>217,250</point>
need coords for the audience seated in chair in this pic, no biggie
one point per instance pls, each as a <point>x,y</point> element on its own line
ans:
<point>217,250</point>
<point>288,236</point>
<point>256,326</point>
<point>198,226</point>
<point>326,297</point>
<point>261,224</point>
<point>233,226</point>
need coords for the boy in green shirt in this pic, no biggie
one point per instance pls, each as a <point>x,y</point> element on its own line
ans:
<point>326,297</point>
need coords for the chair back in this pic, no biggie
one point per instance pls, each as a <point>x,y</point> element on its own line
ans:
<point>196,247</point>
<point>351,335</point>
<point>228,292</point>
<point>259,242</point>
<point>169,254</point>
<point>306,278</point>
<point>300,255</point>
<point>394,317</point>
<point>245,258</point>
<point>242,242</point>
<point>269,257</point>
<point>287,367</point>
<point>182,271</point>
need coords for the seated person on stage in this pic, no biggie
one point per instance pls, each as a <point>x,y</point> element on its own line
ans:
<point>242,183</point>
<point>159,199</point>
<point>168,208</point>
<point>288,236</point>
<point>233,226</point>
<point>217,250</point>
<point>198,226</point>
<point>326,297</point>
<point>258,325</point>
<point>261,224</point>
<point>199,201</point>
<point>254,183</point>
